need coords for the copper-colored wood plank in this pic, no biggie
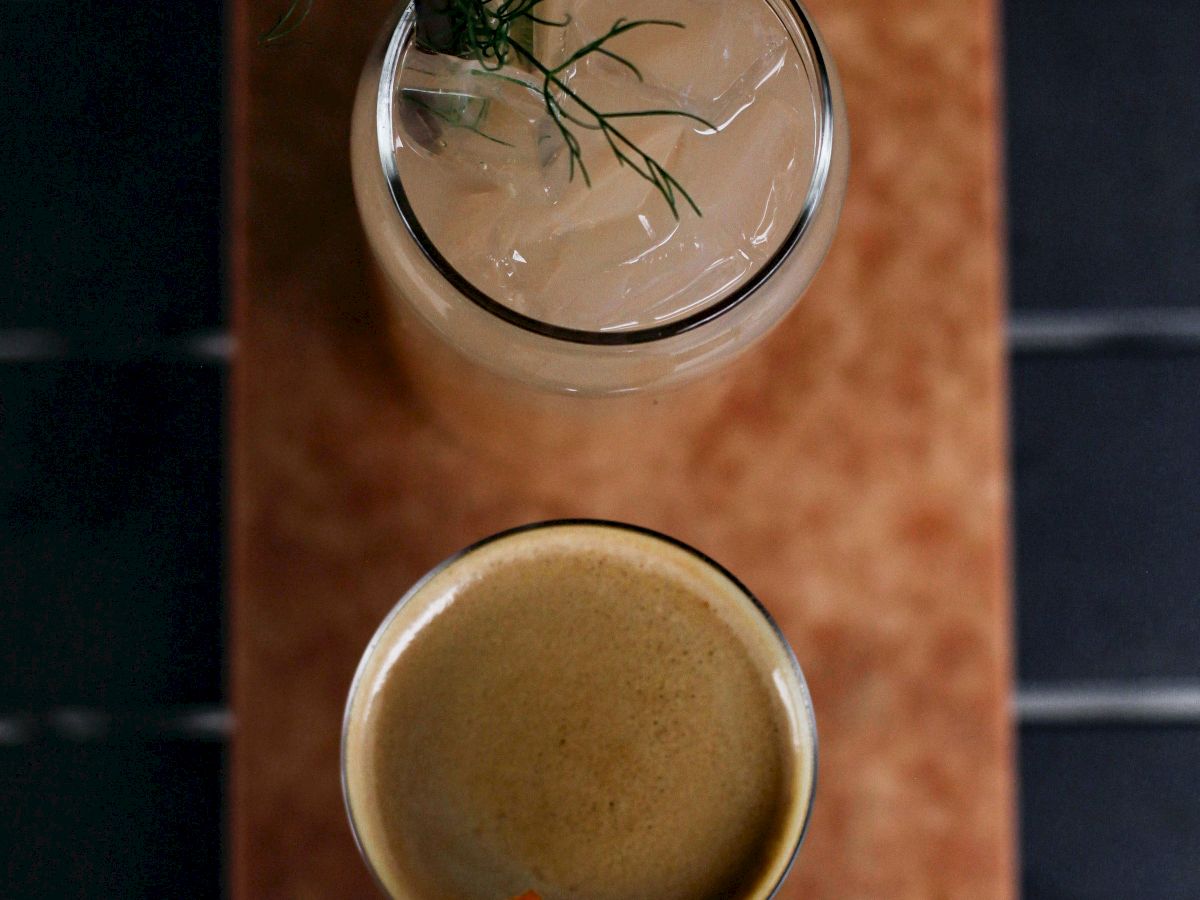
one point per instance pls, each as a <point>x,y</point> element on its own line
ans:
<point>853,472</point>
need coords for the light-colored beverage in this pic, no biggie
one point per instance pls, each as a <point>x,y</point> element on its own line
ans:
<point>462,179</point>
<point>581,710</point>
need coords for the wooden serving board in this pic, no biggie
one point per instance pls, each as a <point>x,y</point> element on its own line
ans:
<point>853,475</point>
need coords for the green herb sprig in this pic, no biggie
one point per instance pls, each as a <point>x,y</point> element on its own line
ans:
<point>627,152</point>
<point>291,19</point>
<point>498,33</point>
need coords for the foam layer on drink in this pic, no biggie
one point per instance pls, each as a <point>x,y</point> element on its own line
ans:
<point>486,169</point>
<point>584,711</point>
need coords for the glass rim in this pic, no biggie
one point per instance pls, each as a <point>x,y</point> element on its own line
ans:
<point>822,166</point>
<point>368,655</point>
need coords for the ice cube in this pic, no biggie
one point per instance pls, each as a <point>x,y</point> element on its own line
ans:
<point>739,48</point>
<point>639,266</point>
<point>492,126</point>
<point>775,177</point>
<point>618,219</point>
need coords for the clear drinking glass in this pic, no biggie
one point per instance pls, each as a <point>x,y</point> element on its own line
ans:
<point>569,343</point>
<point>717,598</point>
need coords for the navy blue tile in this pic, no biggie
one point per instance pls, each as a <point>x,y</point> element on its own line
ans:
<point>110,166</point>
<point>1110,812</point>
<point>1104,173</point>
<point>1107,467</point>
<point>110,534</point>
<point>129,821</point>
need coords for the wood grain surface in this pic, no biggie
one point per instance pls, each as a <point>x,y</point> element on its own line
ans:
<point>852,471</point>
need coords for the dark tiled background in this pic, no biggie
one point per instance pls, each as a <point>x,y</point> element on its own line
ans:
<point>111,437</point>
<point>111,508</point>
<point>110,448</point>
<point>1108,515</point>
<point>110,117</point>
<point>1111,812</point>
<point>1104,224</point>
<point>1104,134</point>
<point>121,818</point>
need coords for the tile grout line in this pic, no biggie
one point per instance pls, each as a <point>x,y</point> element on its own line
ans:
<point>1082,331</point>
<point>91,725</point>
<point>1109,704</point>
<point>33,345</point>
<point>1058,331</point>
<point>1073,704</point>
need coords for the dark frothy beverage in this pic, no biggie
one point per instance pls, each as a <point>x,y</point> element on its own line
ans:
<point>584,711</point>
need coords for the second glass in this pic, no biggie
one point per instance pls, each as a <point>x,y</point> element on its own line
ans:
<point>487,250</point>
